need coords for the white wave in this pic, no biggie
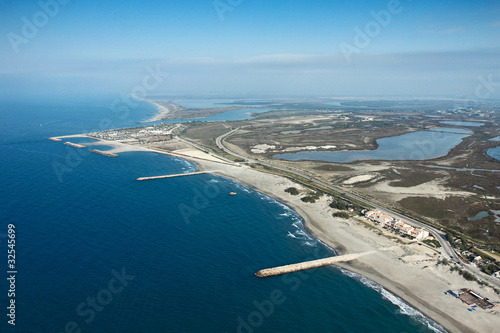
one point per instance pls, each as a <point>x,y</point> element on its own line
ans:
<point>285,207</point>
<point>190,167</point>
<point>265,198</point>
<point>403,307</point>
<point>233,185</point>
<point>213,181</point>
<point>297,222</point>
<point>302,233</point>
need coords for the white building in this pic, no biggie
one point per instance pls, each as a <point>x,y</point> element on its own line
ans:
<point>419,234</point>
<point>377,216</point>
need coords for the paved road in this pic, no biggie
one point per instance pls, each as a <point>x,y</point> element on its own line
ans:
<point>440,236</point>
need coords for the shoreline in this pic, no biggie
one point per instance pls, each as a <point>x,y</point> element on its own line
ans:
<point>316,223</point>
<point>490,156</point>
<point>317,230</point>
<point>163,111</point>
<point>419,283</point>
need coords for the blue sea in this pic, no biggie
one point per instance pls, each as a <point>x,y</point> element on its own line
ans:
<point>98,251</point>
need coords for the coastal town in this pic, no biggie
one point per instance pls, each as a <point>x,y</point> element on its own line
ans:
<point>144,134</point>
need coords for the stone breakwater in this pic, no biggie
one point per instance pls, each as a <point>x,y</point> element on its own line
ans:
<point>105,153</point>
<point>76,145</point>
<point>172,176</point>
<point>310,264</point>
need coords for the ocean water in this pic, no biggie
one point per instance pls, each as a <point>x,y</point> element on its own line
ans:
<point>98,251</point>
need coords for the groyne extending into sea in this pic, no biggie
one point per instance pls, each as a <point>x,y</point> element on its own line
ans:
<point>105,153</point>
<point>174,175</point>
<point>310,264</point>
<point>76,145</point>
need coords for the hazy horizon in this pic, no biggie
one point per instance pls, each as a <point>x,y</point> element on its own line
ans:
<point>321,48</point>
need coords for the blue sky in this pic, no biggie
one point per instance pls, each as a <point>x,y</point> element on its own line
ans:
<point>419,48</point>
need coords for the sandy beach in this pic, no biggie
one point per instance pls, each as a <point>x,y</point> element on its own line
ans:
<point>163,111</point>
<point>408,271</point>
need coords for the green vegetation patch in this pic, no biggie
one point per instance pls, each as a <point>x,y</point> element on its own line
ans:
<point>414,179</point>
<point>204,133</point>
<point>343,215</point>
<point>333,167</point>
<point>309,199</point>
<point>433,243</point>
<point>431,207</point>
<point>312,196</point>
<point>490,268</point>
<point>452,213</point>
<point>292,191</point>
<point>339,204</point>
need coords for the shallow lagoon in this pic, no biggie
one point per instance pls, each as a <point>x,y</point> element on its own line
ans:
<point>220,103</point>
<point>204,103</point>
<point>479,216</point>
<point>420,145</point>
<point>240,114</point>
<point>494,153</point>
<point>452,130</point>
<point>462,123</point>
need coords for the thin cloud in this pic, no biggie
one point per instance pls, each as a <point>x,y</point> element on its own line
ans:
<point>495,24</point>
<point>422,74</point>
<point>447,31</point>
